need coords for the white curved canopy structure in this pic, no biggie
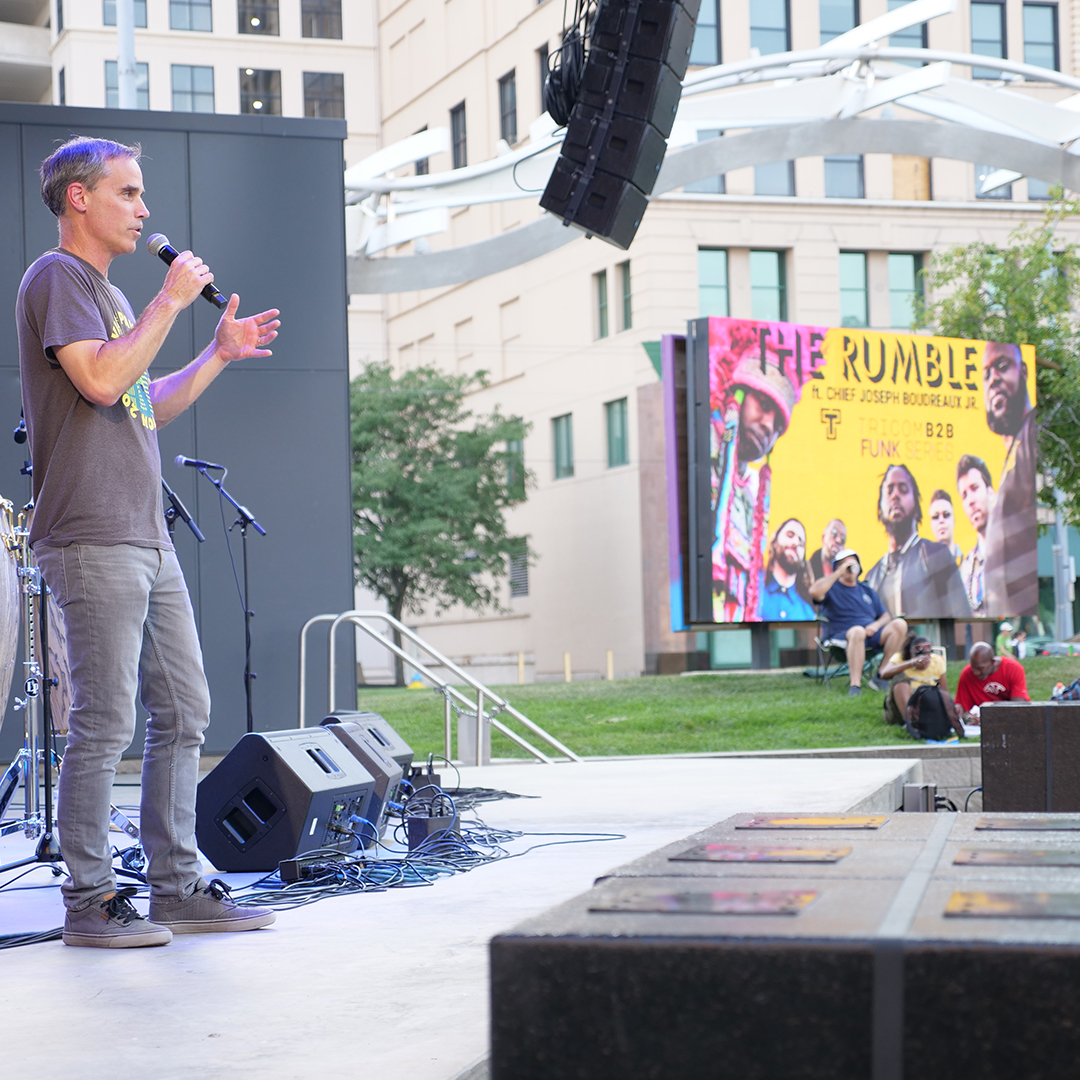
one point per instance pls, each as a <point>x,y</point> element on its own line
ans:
<point>816,104</point>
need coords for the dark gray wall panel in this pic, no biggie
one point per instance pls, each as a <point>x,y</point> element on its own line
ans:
<point>270,225</point>
<point>261,200</point>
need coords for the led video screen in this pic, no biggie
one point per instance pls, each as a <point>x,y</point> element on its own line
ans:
<point>800,441</point>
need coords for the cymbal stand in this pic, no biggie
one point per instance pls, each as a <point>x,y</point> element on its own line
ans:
<point>37,685</point>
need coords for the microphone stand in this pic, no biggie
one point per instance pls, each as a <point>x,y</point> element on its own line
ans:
<point>244,519</point>
<point>178,510</point>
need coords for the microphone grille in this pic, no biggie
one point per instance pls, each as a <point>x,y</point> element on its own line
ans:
<point>179,459</point>
<point>156,242</point>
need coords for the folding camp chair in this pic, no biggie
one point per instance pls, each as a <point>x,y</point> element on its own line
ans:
<point>832,656</point>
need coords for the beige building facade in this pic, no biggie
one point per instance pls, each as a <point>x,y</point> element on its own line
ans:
<point>564,338</point>
<point>568,339</point>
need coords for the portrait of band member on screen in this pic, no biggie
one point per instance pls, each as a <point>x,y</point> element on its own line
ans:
<point>952,521</point>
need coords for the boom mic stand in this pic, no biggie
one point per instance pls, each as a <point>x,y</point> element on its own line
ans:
<point>244,519</point>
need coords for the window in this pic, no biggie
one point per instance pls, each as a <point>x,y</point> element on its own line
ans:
<point>544,70</point>
<point>192,88</point>
<point>457,136</point>
<point>260,92</point>
<point>257,17</point>
<point>776,178</point>
<point>768,286</point>
<point>627,308</point>
<point>324,94</point>
<point>1038,190</point>
<point>837,17</point>
<point>1003,191</point>
<point>518,559</point>
<point>109,13</point>
<point>61,90</point>
<point>712,282</point>
<point>191,15</point>
<point>601,304</point>
<point>562,434</point>
<point>914,37</point>
<point>1041,35</point>
<point>423,166</point>
<point>320,18</point>
<point>508,107</point>
<point>59,20</point>
<point>515,467</point>
<point>618,434</point>
<point>853,305</point>
<point>905,283</point>
<point>711,185</point>
<point>770,31</point>
<point>844,176</point>
<point>706,47</point>
<point>112,85</point>
<point>987,34</point>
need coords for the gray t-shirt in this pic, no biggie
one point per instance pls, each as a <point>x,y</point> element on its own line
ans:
<point>97,469</point>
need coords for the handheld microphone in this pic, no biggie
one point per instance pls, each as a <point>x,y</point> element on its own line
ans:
<point>159,245</point>
<point>196,463</point>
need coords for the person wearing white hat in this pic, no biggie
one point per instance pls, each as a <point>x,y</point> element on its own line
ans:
<point>856,616</point>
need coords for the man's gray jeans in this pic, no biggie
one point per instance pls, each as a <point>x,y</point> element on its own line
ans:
<point>130,630</point>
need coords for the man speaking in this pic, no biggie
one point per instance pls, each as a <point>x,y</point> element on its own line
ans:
<point>99,536</point>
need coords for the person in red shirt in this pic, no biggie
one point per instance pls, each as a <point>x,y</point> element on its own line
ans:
<point>990,678</point>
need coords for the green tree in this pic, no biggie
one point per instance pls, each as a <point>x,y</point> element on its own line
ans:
<point>431,484</point>
<point>1027,292</point>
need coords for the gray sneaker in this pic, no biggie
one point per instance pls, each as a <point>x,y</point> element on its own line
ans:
<point>110,922</point>
<point>208,910</point>
<point>852,691</point>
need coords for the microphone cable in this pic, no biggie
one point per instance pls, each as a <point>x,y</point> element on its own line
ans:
<point>566,65</point>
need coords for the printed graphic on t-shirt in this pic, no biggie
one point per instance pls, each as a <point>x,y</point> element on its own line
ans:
<point>138,404</point>
<point>121,324</point>
<point>993,688</point>
<point>137,399</point>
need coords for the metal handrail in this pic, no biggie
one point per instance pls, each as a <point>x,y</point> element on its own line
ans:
<point>501,705</point>
<point>303,662</point>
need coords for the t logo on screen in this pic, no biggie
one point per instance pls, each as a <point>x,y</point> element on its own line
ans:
<point>832,418</point>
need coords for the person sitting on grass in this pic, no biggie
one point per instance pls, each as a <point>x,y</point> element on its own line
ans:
<point>856,616</point>
<point>989,678</point>
<point>915,665</point>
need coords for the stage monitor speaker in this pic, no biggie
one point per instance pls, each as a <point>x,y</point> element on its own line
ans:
<point>625,109</point>
<point>379,731</point>
<point>387,772</point>
<point>278,794</point>
<point>1031,756</point>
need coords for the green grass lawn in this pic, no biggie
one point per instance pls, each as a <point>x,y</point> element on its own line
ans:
<point>686,714</point>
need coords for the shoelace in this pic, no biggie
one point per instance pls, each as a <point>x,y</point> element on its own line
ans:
<point>119,907</point>
<point>219,890</point>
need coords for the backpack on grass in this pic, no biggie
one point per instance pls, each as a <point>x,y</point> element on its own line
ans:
<point>930,714</point>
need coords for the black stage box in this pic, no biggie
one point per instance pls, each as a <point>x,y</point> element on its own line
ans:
<point>361,742</point>
<point>1031,756</point>
<point>379,731</point>
<point>278,794</point>
<point>920,945</point>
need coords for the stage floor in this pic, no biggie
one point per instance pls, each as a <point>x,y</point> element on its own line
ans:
<point>380,983</point>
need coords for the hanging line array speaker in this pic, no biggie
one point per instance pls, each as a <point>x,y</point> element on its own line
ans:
<point>615,142</point>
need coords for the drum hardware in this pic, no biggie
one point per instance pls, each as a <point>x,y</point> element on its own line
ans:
<point>37,705</point>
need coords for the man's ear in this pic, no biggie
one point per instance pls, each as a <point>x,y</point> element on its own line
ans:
<point>76,196</point>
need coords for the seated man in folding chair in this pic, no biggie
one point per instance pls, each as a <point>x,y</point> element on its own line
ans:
<point>856,617</point>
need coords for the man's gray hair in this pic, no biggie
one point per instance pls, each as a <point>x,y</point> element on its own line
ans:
<point>81,160</point>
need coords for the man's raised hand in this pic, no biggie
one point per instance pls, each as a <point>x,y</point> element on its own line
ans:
<point>239,339</point>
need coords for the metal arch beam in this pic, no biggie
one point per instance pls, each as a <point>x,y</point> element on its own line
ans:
<point>783,142</point>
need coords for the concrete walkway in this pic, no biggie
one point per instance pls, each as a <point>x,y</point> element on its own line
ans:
<point>381,983</point>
